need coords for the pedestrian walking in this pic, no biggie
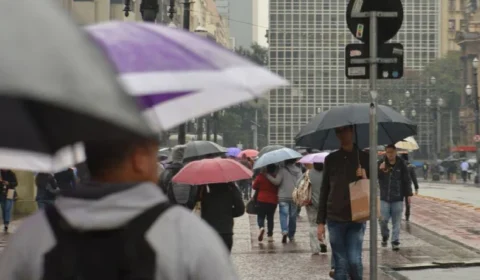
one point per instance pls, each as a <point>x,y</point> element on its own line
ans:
<point>316,176</point>
<point>8,184</point>
<point>452,170</point>
<point>47,189</point>
<point>267,200</point>
<point>118,224</point>
<point>413,178</point>
<point>395,186</point>
<point>342,167</point>
<point>286,179</point>
<point>425,170</point>
<point>464,166</point>
<point>220,204</point>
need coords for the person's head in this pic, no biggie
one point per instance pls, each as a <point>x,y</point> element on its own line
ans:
<point>345,135</point>
<point>391,152</point>
<point>290,162</point>
<point>308,166</point>
<point>123,161</point>
<point>244,157</point>
<point>271,168</point>
<point>404,157</point>
<point>318,166</point>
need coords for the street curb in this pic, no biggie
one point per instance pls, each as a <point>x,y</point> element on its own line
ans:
<point>436,265</point>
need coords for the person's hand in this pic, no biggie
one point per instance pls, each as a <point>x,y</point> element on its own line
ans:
<point>361,172</point>
<point>382,166</point>
<point>321,232</point>
<point>409,200</point>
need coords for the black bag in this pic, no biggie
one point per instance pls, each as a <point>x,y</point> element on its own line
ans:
<point>181,194</point>
<point>122,253</point>
<point>251,206</point>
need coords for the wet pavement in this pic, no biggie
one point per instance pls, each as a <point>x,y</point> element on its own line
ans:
<point>470,273</point>
<point>456,192</point>
<point>419,247</point>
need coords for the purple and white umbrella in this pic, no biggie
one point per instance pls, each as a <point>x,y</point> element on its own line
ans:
<point>314,158</point>
<point>178,75</point>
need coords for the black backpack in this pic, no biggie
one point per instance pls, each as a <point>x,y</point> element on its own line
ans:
<point>122,253</point>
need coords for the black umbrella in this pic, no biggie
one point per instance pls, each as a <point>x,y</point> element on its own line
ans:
<point>56,89</point>
<point>320,131</point>
<point>202,149</point>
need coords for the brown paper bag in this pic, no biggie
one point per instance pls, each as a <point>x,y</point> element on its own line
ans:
<point>360,200</point>
<point>10,193</point>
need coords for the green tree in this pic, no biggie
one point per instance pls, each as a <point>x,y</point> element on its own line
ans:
<point>236,124</point>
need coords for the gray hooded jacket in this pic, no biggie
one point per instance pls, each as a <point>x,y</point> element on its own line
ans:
<point>286,181</point>
<point>186,247</point>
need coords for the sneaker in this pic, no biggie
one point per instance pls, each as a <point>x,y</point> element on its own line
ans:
<point>395,246</point>
<point>270,239</point>
<point>384,241</point>
<point>5,229</point>
<point>292,239</point>
<point>260,235</point>
<point>284,238</point>
<point>407,218</point>
<point>332,273</point>
<point>323,248</point>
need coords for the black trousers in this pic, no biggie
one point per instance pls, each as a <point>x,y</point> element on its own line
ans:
<point>464,176</point>
<point>266,210</point>
<point>228,240</point>
<point>407,208</point>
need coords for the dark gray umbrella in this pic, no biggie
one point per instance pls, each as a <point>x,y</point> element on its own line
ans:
<point>56,89</point>
<point>319,133</point>
<point>201,149</point>
<point>270,148</point>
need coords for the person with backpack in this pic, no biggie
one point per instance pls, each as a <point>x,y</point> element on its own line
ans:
<point>286,180</point>
<point>267,200</point>
<point>220,204</point>
<point>120,225</point>
<point>47,189</point>
<point>181,194</point>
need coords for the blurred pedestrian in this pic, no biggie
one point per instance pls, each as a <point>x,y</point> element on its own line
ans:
<point>118,224</point>
<point>286,180</point>
<point>316,177</point>
<point>452,170</point>
<point>425,170</point>
<point>267,200</point>
<point>47,189</point>
<point>395,187</point>
<point>465,166</point>
<point>220,204</point>
<point>413,179</point>
<point>66,179</point>
<point>342,167</point>
<point>8,184</point>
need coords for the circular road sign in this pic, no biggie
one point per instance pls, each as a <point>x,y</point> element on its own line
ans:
<point>476,138</point>
<point>387,27</point>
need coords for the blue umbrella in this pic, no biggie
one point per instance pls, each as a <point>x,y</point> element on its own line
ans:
<point>276,156</point>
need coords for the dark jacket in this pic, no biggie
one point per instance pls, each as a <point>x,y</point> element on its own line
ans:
<point>66,179</point>
<point>9,176</point>
<point>339,171</point>
<point>395,184</point>
<point>413,175</point>
<point>47,187</point>
<point>220,204</point>
<point>167,175</point>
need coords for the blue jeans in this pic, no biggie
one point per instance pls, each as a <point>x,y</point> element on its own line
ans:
<point>288,218</point>
<point>393,210</point>
<point>6,205</point>
<point>346,239</point>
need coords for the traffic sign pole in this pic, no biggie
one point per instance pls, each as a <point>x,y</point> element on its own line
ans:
<point>373,145</point>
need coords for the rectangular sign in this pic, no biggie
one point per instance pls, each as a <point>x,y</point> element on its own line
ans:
<point>390,66</point>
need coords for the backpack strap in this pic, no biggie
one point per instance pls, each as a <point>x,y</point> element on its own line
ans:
<point>142,222</point>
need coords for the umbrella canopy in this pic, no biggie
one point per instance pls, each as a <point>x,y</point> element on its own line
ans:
<point>57,89</point>
<point>179,75</point>
<point>270,148</point>
<point>276,156</point>
<point>314,158</point>
<point>320,131</point>
<point>233,151</point>
<point>198,149</point>
<point>212,171</point>
<point>249,153</point>
<point>408,143</point>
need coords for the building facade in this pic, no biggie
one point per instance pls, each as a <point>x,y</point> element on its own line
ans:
<point>306,46</point>
<point>240,16</point>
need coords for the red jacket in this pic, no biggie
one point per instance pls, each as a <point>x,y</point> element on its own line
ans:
<point>267,192</point>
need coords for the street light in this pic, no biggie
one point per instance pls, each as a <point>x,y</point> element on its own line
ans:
<point>402,112</point>
<point>433,80</point>
<point>468,90</point>
<point>390,102</point>
<point>414,113</point>
<point>407,94</point>
<point>475,63</point>
<point>440,102</point>
<point>428,102</point>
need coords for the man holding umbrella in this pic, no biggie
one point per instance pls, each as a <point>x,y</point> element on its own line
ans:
<point>342,167</point>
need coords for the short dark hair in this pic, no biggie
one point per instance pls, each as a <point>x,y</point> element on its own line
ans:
<point>318,166</point>
<point>404,157</point>
<point>102,156</point>
<point>271,168</point>
<point>391,146</point>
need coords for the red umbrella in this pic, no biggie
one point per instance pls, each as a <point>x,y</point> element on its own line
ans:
<point>212,171</point>
<point>249,153</point>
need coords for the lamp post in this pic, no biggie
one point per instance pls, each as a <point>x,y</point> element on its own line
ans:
<point>215,124</point>
<point>428,102</point>
<point>473,92</point>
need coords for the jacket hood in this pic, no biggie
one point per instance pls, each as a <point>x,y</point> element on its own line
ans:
<point>98,206</point>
